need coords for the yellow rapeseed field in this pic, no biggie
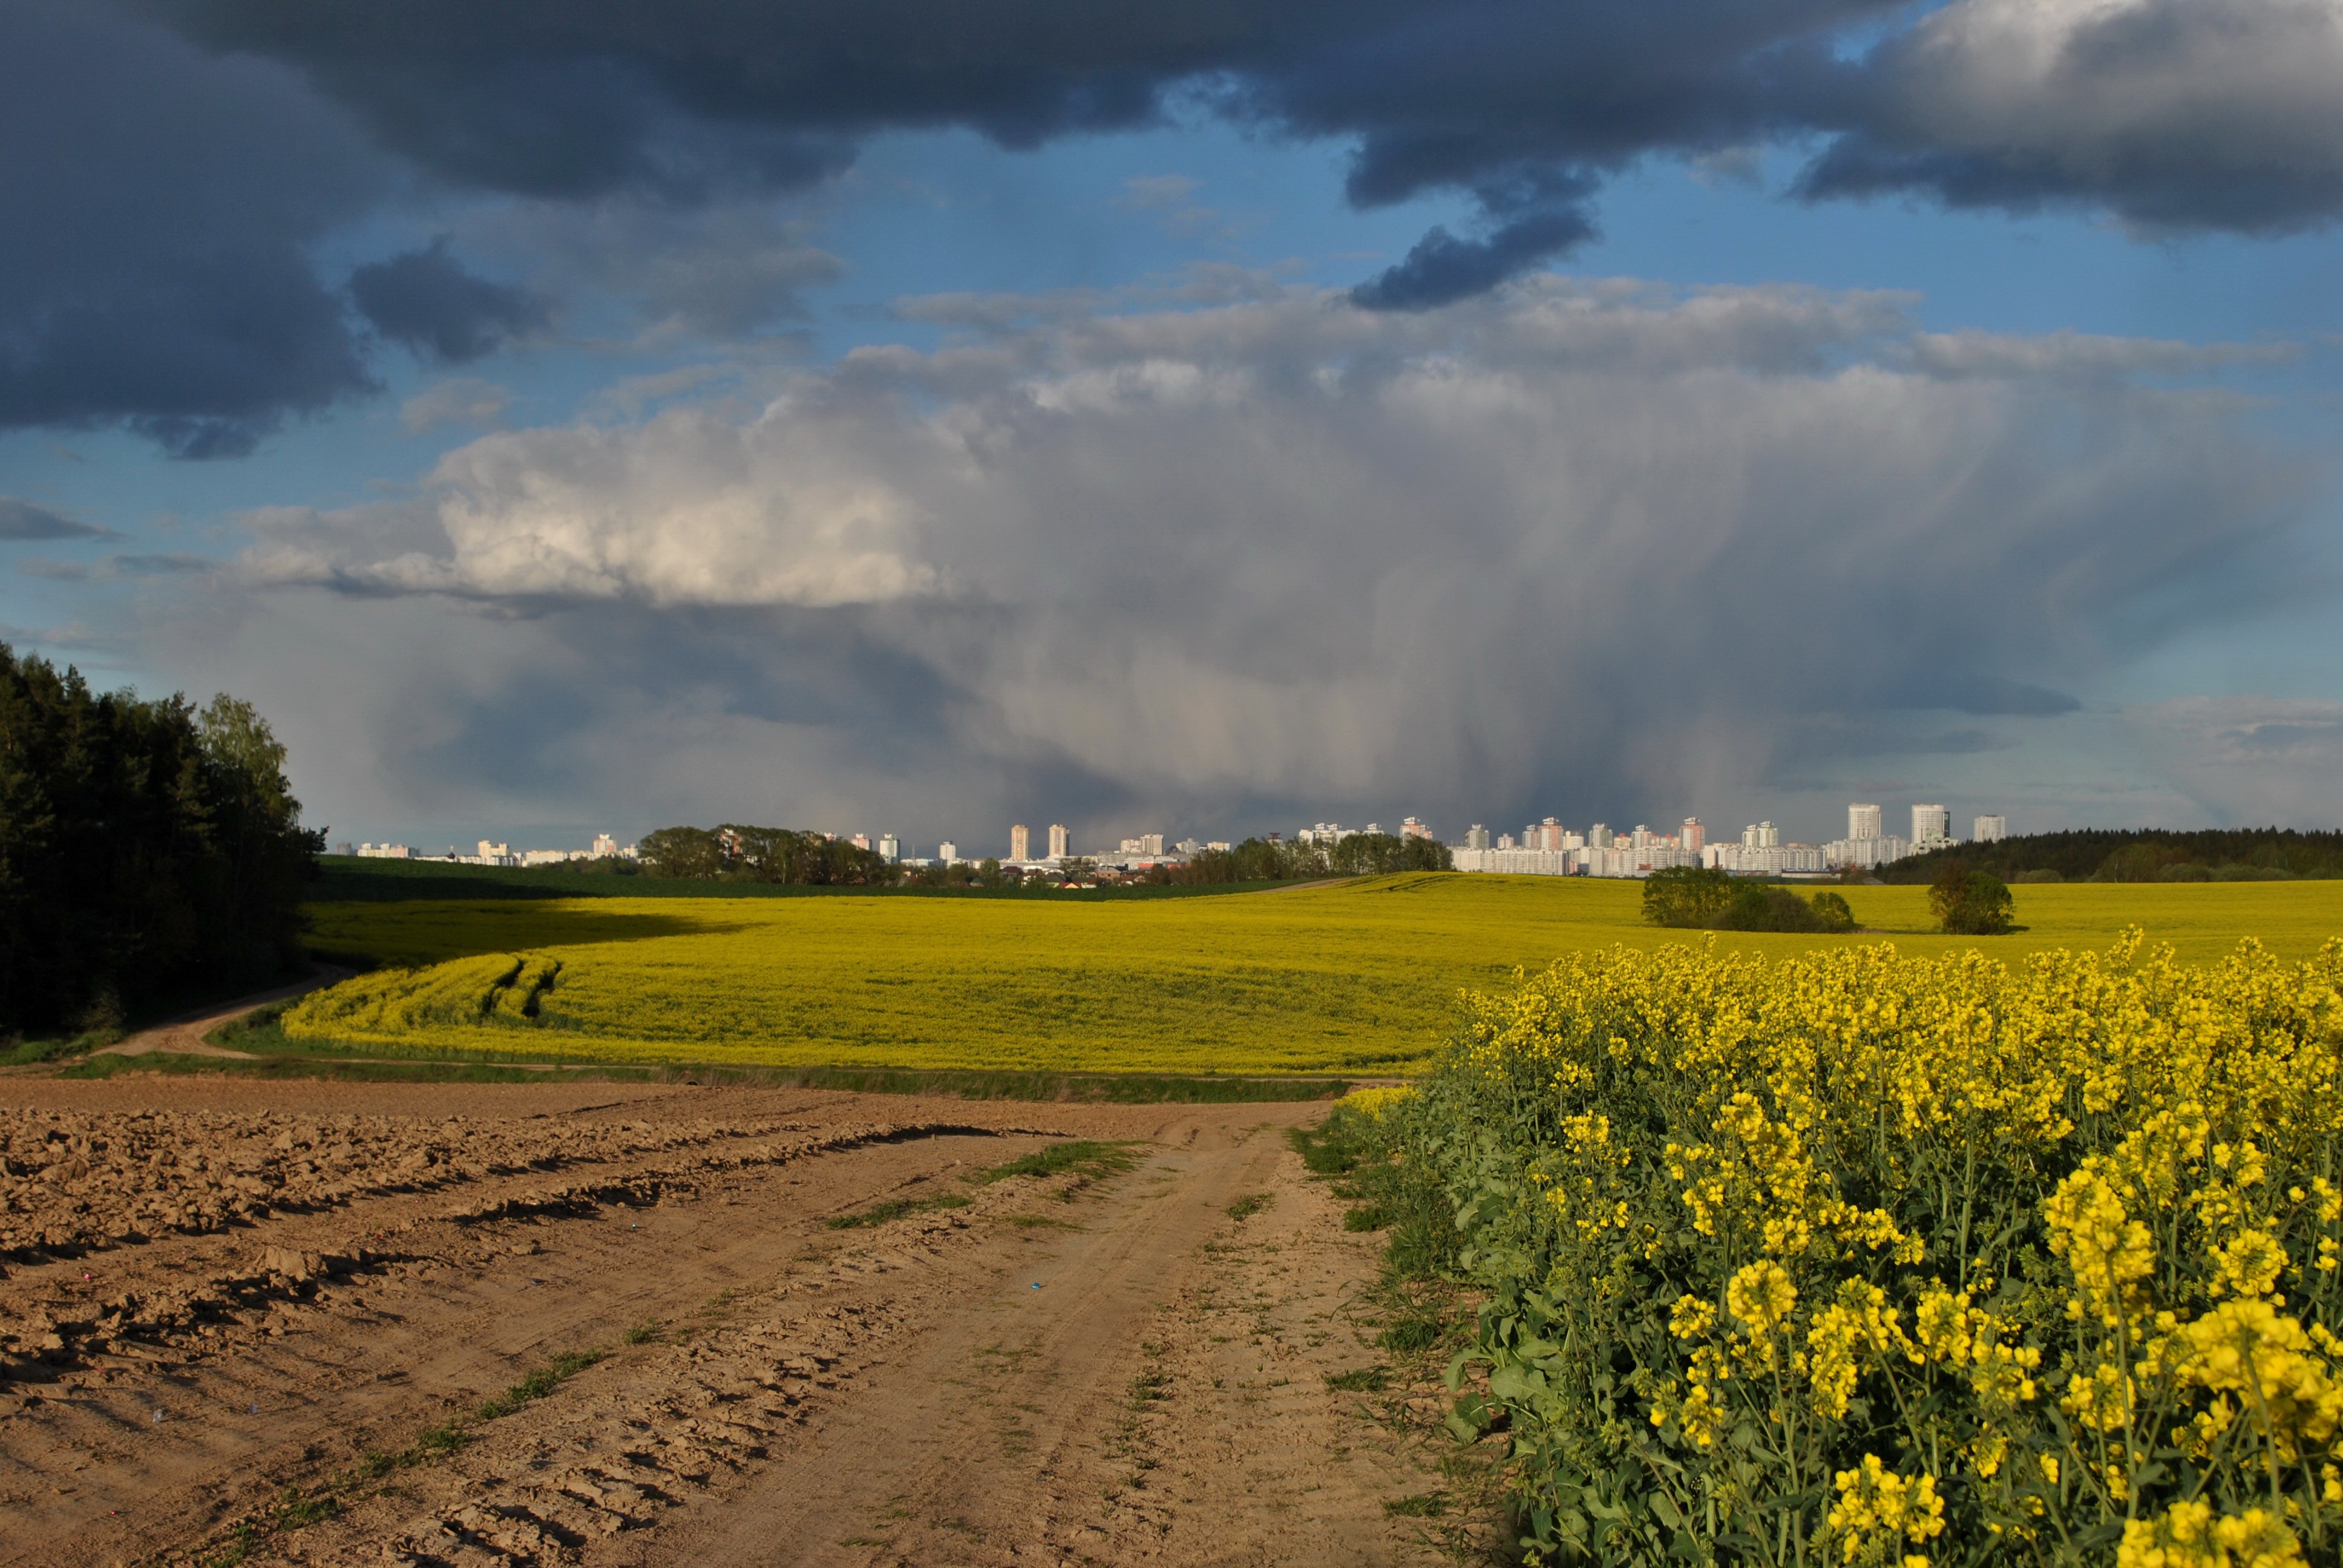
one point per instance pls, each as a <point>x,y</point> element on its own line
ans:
<point>1355,976</point>
<point>1866,1261</point>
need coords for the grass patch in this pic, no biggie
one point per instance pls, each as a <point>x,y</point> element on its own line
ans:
<point>895,1209</point>
<point>1082,1158</point>
<point>296,1511</point>
<point>1372,1217</point>
<point>31,1052</point>
<point>645,1333</point>
<point>538,1383</point>
<point>1041,1222</point>
<point>1358,1379</point>
<point>1423,1505</point>
<point>1411,1335</point>
<point>1245,1207</point>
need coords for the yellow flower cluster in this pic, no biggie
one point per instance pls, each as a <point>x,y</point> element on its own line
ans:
<point>1373,1102</point>
<point>2191,1536</point>
<point>1878,1511</point>
<point>2043,1256</point>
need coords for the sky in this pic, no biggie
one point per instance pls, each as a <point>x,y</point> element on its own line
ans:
<point>921,416</point>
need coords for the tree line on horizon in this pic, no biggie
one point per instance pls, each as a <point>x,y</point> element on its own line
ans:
<point>148,848</point>
<point>2139,855</point>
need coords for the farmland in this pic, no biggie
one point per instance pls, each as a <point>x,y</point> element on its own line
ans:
<point>1351,977</point>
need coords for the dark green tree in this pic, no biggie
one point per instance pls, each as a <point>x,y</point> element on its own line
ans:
<point>1970,903</point>
<point>1686,896</point>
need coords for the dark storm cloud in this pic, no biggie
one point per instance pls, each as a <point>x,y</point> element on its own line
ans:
<point>23,520</point>
<point>158,206</point>
<point>428,301</point>
<point>1442,269</point>
<point>171,164</point>
<point>2210,114</point>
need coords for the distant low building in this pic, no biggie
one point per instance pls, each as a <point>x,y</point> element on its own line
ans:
<point>1514,862</point>
<point>1991,830</point>
<point>384,852</point>
<point>1867,854</point>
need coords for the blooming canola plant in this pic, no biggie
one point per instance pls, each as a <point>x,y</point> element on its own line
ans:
<point>1869,1259</point>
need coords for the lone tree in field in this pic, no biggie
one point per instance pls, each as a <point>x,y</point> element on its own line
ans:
<point>1686,896</point>
<point>1970,903</point>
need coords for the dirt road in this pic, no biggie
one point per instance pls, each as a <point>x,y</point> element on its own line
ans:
<point>259,1322</point>
<point>184,1035</point>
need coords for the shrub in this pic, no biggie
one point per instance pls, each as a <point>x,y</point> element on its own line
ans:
<point>1701,896</point>
<point>1858,1259</point>
<point>1968,903</point>
<point>1686,896</point>
<point>1760,907</point>
<point>1833,911</point>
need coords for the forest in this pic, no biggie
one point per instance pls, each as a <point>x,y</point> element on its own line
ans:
<point>148,850</point>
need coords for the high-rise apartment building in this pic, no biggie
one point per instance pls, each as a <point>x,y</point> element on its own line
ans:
<point>1991,830</point>
<point>890,849</point>
<point>1692,836</point>
<point>1863,822</point>
<point>1476,837</point>
<point>948,852</point>
<point>1057,841</point>
<point>1019,843</point>
<point>1931,826</point>
<point>861,840</point>
<point>1597,836</point>
<point>1413,828</point>
<point>1549,834</point>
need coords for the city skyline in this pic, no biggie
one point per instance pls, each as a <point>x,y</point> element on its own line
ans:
<point>1864,821</point>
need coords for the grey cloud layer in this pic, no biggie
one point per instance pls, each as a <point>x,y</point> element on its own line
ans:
<point>171,175</point>
<point>1568,543</point>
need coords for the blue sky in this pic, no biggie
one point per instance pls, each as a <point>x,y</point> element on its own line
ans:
<point>1790,433</point>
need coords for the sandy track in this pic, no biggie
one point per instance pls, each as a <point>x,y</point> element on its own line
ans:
<point>896,1393</point>
<point>184,1035</point>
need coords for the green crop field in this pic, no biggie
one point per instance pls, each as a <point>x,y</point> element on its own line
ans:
<point>1340,978</point>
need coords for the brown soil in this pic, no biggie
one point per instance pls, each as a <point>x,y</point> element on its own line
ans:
<point>219,1299</point>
